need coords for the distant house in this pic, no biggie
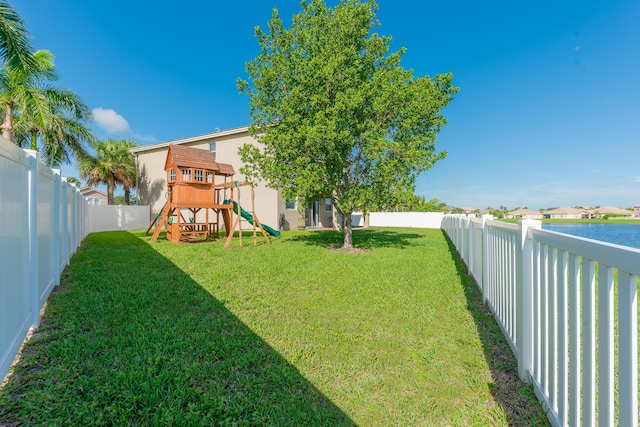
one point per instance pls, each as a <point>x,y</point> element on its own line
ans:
<point>524,214</point>
<point>566,213</point>
<point>636,211</point>
<point>608,210</point>
<point>94,196</point>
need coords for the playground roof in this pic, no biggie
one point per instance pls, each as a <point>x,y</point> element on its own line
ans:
<point>188,157</point>
<point>226,169</point>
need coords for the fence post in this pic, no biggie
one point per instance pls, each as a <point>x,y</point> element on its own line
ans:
<point>73,243</point>
<point>472,252</point>
<point>465,241</point>
<point>64,230</point>
<point>121,220</point>
<point>56,225</point>
<point>485,257</point>
<point>524,299</point>
<point>34,287</point>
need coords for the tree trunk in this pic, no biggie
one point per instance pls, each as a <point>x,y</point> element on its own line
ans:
<point>348,232</point>
<point>7,125</point>
<point>34,141</point>
<point>336,219</point>
<point>111,187</point>
<point>127,196</point>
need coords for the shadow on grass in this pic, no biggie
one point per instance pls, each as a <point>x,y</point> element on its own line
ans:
<point>129,338</point>
<point>364,238</point>
<point>516,397</point>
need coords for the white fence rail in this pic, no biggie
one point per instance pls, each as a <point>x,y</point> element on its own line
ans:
<point>114,218</point>
<point>42,222</point>
<point>549,292</point>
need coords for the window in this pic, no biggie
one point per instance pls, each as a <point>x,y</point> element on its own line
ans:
<point>186,174</point>
<point>290,204</point>
<point>327,204</point>
<point>198,175</point>
<point>212,148</point>
<point>93,201</point>
<point>172,174</point>
<point>209,177</point>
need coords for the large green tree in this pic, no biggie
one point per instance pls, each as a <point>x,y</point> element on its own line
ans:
<point>113,164</point>
<point>336,113</point>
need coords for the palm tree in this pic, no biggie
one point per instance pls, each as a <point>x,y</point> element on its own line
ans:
<point>74,181</point>
<point>58,120</point>
<point>113,164</point>
<point>19,87</point>
<point>128,174</point>
<point>15,48</point>
<point>35,110</point>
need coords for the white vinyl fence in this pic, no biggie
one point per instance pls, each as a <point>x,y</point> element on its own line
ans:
<point>42,222</point>
<point>114,218</point>
<point>549,291</point>
<point>406,219</point>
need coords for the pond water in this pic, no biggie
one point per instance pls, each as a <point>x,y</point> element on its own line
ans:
<point>620,234</point>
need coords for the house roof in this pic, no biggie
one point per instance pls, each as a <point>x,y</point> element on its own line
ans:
<point>610,210</point>
<point>197,138</point>
<point>559,211</point>
<point>524,211</point>
<point>90,191</point>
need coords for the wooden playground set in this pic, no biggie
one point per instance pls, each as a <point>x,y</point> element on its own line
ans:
<point>196,204</point>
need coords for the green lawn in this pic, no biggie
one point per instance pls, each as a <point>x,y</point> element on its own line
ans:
<point>288,334</point>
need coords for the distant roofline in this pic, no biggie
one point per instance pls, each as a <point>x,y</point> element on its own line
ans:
<point>227,132</point>
<point>90,189</point>
<point>526,210</point>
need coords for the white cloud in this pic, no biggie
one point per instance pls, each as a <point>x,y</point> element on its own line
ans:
<point>146,138</point>
<point>109,120</point>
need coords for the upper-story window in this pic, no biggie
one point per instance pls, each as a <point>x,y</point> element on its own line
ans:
<point>327,204</point>
<point>186,174</point>
<point>198,175</point>
<point>209,177</point>
<point>212,148</point>
<point>172,174</point>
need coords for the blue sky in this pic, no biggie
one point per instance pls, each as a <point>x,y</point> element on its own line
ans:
<point>548,112</point>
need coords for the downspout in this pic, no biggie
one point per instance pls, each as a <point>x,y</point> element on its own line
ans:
<point>137,179</point>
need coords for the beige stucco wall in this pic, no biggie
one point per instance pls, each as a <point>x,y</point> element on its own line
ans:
<point>152,184</point>
<point>292,219</point>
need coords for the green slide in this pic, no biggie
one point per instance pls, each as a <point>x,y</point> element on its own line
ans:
<point>246,215</point>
